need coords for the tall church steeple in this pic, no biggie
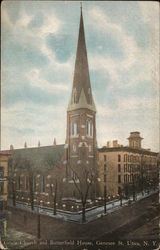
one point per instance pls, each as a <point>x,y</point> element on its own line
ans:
<point>81,96</point>
<point>81,113</point>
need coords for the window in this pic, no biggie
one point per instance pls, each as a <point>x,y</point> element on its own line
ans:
<point>26,183</point>
<point>119,167</point>
<point>125,168</point>
<point>119,158</point>
<point>43,184</point>
<point>89,128</point>
<point>119,190</point>
<point>125,158</point>
<point>129,168</point>
<point>1,188</point>
<point>1,172</point>
<point>105,157</point>
<point>34,183</point>
<point>74,128</point>
<point>74,176</point>
<point>1,206</point>
<point>128,158</point>
<point>104,177</point>
<point>74,148</point>
<point>119,179</point>
<point>105,166</point>
<point>90,148</point>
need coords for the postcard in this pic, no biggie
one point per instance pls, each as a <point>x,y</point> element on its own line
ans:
<point>79,157</point>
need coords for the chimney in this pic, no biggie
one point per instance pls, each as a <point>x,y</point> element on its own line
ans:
<point>39,144</point>
<point>11,147</point>
<point>108,144</point>
<point>115,143</point>
<point>25,144</point>
<point>54,142</point>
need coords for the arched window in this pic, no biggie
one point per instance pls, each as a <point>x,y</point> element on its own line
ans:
<point>89,128</point>
<point>74,128</point>
<point>74,148</point>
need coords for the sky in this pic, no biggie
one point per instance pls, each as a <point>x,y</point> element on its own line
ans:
<point>39,41</point>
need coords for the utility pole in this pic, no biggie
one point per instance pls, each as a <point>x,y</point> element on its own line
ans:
<point>105,199</point>
<point>38,223</point>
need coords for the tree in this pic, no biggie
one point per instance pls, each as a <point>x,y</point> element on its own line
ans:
<point>13,164</point>
<point>55,181</point>
<point>53,190</point>
<point>83,176</point>
<point>27,164</point>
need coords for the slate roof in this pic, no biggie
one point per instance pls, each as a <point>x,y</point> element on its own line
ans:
<point>38,158</point>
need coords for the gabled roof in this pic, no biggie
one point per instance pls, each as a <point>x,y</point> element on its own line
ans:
<point>39,158</point>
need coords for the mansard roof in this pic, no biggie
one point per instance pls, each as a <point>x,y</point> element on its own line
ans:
<point>38,158</point>
<point>81,80</point>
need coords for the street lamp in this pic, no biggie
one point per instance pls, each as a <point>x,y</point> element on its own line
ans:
<point>105,193</point>
<point>38,220</point>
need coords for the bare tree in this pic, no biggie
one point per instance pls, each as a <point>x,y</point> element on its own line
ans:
<point>13,164</point>
<point>53,190</point>
<point>83,183</point>
<point>55,181</point>
<point>27,164</point>
<point>84,176</point>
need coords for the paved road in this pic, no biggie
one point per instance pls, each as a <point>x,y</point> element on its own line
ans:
<point>91,214</point>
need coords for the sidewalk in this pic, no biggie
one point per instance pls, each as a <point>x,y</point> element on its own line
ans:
<point>91,214</point>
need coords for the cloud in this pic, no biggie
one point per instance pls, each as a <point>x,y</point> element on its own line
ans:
<point>102,22</point>
<point>28,122</point>
<point>35,80</point>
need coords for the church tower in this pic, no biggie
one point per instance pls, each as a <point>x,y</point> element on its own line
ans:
<point>81,112</point>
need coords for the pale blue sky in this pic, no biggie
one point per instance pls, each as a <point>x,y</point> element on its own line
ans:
<point>39,40</point>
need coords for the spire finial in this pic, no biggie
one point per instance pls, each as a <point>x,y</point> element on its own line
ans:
<point>81,6</point>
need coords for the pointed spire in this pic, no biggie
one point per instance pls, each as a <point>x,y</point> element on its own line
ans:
<point>81,79</point>
<point>81,7</point>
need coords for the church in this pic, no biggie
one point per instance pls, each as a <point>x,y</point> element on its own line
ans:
<point>78,175</point>
<point>63,175</point>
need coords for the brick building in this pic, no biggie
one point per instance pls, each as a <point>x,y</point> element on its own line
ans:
<point>36,175</point>
<point>125,168</point>
<point>3,191</point>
